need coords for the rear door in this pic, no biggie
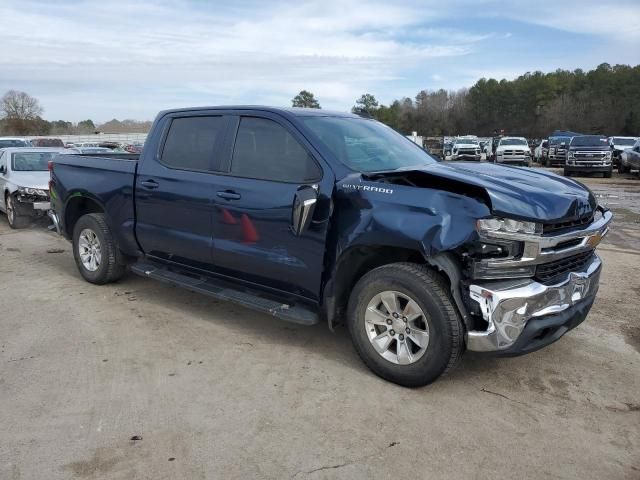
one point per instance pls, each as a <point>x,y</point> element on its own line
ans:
<point>253,240</point>
<point>175,190</point>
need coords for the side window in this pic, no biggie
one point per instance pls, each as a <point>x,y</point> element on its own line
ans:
<point>191,141</point>
<point>265,150</point>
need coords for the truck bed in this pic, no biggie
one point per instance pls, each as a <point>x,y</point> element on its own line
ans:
<point>108,180</point>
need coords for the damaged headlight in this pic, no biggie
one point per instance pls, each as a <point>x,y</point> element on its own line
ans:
<point>32,191</point>
<point>508,225</point>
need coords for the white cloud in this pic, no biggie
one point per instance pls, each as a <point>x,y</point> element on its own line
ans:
<point>131,59</point>
<point>243,53</point>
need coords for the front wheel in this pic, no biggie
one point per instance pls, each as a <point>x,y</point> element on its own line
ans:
<point>15,220</point>
<point>95,251</point>
<point>404,325</point>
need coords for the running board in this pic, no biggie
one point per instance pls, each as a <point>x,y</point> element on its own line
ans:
<point>227,291</point>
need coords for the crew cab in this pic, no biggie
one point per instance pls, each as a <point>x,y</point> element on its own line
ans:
<point>24,177</point>
<point>310,215</point>
<point>589,154</point>
<point>513,150</point>
<point>466,148</point>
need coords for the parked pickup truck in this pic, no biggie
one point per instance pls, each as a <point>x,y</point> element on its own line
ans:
<point>312,216</point>
<point>589,154</point>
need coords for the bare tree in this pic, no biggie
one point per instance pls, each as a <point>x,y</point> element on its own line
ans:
<point>17,105</point>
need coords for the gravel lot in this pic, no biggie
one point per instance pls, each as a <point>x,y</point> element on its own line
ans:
<point>142,380</point>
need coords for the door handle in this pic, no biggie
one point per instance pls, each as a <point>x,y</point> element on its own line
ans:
<point>229,195</point>
<point>150,184</point>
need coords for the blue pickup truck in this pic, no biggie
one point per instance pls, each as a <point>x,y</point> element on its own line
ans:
<point>313,216</point>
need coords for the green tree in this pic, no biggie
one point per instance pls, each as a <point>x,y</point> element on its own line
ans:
<point>367,103</point>
<point>86,126</point>
<point>305,99</point>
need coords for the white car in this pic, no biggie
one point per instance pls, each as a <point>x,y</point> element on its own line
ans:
<point>466,148</point>
<point>513,150</point>
<point>24,183</point>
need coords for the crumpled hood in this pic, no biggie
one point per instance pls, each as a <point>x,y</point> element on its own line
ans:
<point>521,192</point>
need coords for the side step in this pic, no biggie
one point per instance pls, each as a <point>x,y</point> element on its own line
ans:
<point>227,291</point>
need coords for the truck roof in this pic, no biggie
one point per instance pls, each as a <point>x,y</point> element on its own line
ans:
<point>299,112</point>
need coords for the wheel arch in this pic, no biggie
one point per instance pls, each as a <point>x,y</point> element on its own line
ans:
<point>78,205</point>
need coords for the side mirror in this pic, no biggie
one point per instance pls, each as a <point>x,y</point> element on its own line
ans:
<point>304,204</point>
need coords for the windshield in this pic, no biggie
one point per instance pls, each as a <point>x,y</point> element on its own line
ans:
<point>367,145</point>
<point>13,143</point>
<point>513,141</point>
<point>624,141</point>
<point>466,141</point>
<point>559,140</point>
<point>31,161</point>
<point>589,141</point>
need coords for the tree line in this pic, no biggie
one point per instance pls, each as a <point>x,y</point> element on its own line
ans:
<point>605,100</point>
<point>20,114</point>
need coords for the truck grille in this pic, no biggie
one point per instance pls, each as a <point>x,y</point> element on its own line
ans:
<point>556,270</point>
<point>573,224</point>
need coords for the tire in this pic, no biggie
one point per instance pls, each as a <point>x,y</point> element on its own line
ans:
<point>607,174</point>
<point>545,162</point>
<point>440,318</point>
<point>111,265</point>
<point>15,221</point>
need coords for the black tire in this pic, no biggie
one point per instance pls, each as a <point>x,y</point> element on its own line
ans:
<point>15,221</point>
<point>112,265</point>
<point>607,174</point>
<point>429,290</point>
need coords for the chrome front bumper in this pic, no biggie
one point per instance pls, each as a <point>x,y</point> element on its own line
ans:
<point>507,306</point>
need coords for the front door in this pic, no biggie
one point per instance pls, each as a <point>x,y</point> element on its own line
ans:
<point>253,239</point>
<point>175,190</point>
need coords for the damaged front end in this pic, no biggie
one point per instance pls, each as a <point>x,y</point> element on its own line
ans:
<point>519,281</point>
<point>32,201</point>
<point>538,287</point>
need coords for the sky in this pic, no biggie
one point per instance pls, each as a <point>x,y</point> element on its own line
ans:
<point>130,59</point>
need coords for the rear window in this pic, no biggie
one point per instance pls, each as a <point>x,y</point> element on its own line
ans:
<point>31,161</point>
<point>191,142</point>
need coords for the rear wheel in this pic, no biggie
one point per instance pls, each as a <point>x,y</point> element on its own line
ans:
<point>15,220</point>
<point>404,325</point>
<point>95,251</point>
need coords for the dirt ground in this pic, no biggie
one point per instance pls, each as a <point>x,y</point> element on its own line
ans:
<point>142,380</point>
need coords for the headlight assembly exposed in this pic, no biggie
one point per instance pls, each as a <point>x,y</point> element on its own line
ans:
<point>32,191</point>
<point>508,225</point>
